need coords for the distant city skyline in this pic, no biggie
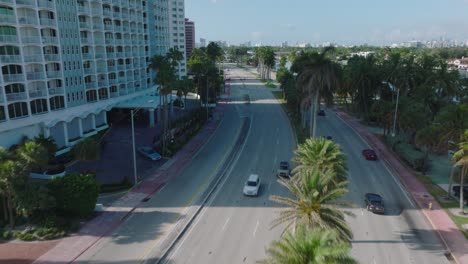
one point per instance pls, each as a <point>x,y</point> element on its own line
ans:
<point>342,22</point>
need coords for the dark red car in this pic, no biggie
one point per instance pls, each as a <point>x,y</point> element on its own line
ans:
<point>369,154</point>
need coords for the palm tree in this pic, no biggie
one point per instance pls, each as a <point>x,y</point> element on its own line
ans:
<point>320,76</point>
<point>314,202</point>
<point>14,172</point>
<point>309,246</point>
<point>461,160</point>
<point>320,154</point>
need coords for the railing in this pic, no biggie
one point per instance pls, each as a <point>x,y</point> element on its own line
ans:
<point>102,83</point>
<point>37,93</point>
<point>97,26</point>
<point>118,41</point>
<point>88,56</point>
<point>112,81</point>
<point>26,2</point>
<point>6,1</point>
<point>10,58</point>
<point>13,77</point>
<point>107,12</point>
<point>52,57</point>
<point>32,58</point>
<point>31,39</point>
<point>53,74</point>
<point>49,40</point>
<point>111,68</point>
<point>46,4</point>
<point>100,55</point>
<point>96,11</point>
<point>120,67</point>
<point>108,27</point>
<point>119,54</point>
<point>98,40</point>
<point>101,69</point>
<point>9,19</point>
<point>85,25</point>
<point>109,41</point>
<point>110,55</point>
<point>91,85</point>
<point>86,40</point>
<point>83,9</point>
<point>56,90</point>
<point>114,94</point>
<point>35,76</point>
<point>48,22</point>
<point>16,96</point>
<point>90,70</point>
<point>1,95</point>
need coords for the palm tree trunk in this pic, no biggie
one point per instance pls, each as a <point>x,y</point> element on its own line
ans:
<point>11,217</point>
<point>5,211</point>
<point>452,171</point>
<point>164,126</point>
<point>314,127</point>
<point>462,178</point>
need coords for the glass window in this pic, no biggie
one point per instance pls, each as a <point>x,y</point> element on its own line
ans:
<point>38,106</point>
<point>16,110</point>
<point>57,102</point>
<point>14,88</point>
<point>6,30</point>
<point>2,113</point>
<point>9,50</point>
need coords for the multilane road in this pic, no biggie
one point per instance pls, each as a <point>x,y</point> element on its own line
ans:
<point>232,228</point>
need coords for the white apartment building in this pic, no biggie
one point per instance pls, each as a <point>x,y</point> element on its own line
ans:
<point>65,63</point>
<point>177,32</point>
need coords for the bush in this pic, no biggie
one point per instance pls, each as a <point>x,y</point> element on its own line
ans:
<point>25,235</point>
<point>7,234</point>
<point>49,233</point>
<point>76,194</point>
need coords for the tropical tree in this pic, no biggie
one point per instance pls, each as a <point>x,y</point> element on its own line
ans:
<point>314,202</point>
<point>214,52</point>
<point>14,173</point>
<point>309,246</point>
<point>266,60</point>
<point>318,75</point>
<point>460,157</point>
<point>429,137</point>
<point>184,87</point>
<point>320,154</point>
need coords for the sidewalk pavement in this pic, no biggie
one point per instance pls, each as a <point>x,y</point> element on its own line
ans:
<point>70,248</point>
<point>451,236</point>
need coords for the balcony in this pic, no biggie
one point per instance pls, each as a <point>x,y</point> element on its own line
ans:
<point>99,41</point>
<point>32,58</point>
<point>37,93</point>
<point>91,85</point>
<point>128,42</point>
<point>90,70</point>
<point>112,81</point>
<point>101,69</point>
<point>6,1</point>
<point>10,58</point>
<point>31,39</point>
<point>118,41</point>
<point>96,11</point>
<point>1,95</point>
<point>26,2</point>
<point>85,25</point>
<point>111,68</point>
<point>88,56</point>
<point>114,94</point>
<point>13,77</point>
<point>48,22</point>
<point>119,54</point>
<point>52,57</point>
<point>49,40</point>
<point>102,83</point>
<point>107,12</point>
<point>125,16</point>
<point>16,96</point>
<point>83,9</point>
<point>56,90</point>
<point>54,74</point>
<point>97,26</point>
<point>122,79</point>
<point>109,41</point>
<point>86,41</point>
<point>120,67</point>
<point>108,27</point>
<point>34,76</point>
<point>107,1</point>
<point>45,4</point>
<point>125,28</point>
<point>9,19</point>
<point>100,55</point>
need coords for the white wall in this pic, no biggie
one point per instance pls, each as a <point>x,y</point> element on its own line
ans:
<point>12,137</point>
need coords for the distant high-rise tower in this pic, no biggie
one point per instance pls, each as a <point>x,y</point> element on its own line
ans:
<point>177,32</point>
<point>189,37</point>
<point>202,42</point>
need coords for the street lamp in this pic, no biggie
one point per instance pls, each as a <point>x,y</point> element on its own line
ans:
<point>133,146</point>
<point>396,105</point>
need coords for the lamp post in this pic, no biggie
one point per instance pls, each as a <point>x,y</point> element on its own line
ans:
<point>396,105</point>
<point>133,146</point>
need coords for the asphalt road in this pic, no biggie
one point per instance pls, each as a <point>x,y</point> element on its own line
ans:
<point>235,229</point>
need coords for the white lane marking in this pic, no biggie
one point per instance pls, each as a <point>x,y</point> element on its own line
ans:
<point>225,223</point>
<point>383,163</point>
<point>215,194</point>
<point>256,227</point>
<point>362,211</point>
<point>277,141</point>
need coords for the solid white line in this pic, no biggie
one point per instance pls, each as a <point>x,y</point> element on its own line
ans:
<point>225,223</point>
<point>383,163</point>
<point>256,227</point>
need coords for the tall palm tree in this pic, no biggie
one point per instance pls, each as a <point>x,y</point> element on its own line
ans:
<point>320,154</point>
<point>461,160</point>
<point>309,246</point>
<point>314,202</point>
<point>320,76</point>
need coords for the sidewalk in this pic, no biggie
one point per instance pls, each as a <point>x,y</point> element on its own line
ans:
<point>70,248</point>
<point>451,236</point>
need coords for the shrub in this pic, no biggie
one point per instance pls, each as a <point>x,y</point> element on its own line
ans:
<point>88,149</point>
<point>7,234</point>
<point>49,233</point>
<point>26,235</point>
<point>76,194</point>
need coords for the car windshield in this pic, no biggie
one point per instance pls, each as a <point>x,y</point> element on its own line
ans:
<point>252,183</point>
<point>283,167</point>
<point>148,151</point>
<point>376,203</point>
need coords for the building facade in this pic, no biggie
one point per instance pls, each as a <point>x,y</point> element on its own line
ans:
<point>65,63</point>
<point>177,32</point>
<point>189,37</point>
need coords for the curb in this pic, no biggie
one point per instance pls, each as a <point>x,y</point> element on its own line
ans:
<point>221,175</point>
<point>448,251</point>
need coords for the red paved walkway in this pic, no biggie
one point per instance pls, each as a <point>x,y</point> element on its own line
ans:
<point>449,233</point>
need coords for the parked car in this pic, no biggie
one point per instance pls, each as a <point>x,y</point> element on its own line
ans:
<point>252,185</point>
<point>321,112</point>
<point>149,153</point>
<point>369,154</point>
<point>374,203</point>
<point>284,170</point>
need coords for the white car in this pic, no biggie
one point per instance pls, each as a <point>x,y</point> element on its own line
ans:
<point>252,185</point>
<point>149,153</point>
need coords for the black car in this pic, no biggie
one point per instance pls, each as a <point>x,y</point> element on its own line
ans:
<point>374,203</point>
<point>321,112</point>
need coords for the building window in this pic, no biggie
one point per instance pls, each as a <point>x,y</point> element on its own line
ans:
<point>9,50</point>
<point>16,110</point>
<point>38,106</point>
<point>91,96</point>
<point>103,94</point>
<point>57,102</point>
<point>2,113</point>
<point>12,69</point>
<point>14,88</point>
<point>6,30</point>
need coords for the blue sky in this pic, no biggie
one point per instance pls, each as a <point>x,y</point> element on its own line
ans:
<point>341,21</point>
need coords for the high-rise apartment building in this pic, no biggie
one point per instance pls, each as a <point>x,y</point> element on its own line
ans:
<point>65,63</point>
<point>189,37</point>
<point>177,32</point>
